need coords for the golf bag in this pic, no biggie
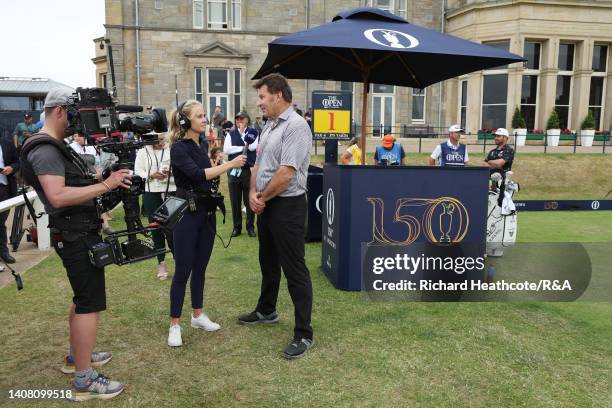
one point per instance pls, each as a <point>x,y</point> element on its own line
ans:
<point>501,218</point>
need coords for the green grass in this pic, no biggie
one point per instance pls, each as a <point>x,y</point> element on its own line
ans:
<point>565,226</point>
<point>367,354</point>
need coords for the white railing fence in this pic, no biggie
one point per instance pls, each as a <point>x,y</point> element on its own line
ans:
<point>44,235</point>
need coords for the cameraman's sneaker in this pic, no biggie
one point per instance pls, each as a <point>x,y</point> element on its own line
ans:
<point>203,322</point>
<point>100,387</point>
<point>257,317</point>
<point>98,359</point>
<point>174,336</point>
<point>297,348</point>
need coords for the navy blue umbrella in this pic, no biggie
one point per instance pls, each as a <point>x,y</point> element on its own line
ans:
<point>370,45</point>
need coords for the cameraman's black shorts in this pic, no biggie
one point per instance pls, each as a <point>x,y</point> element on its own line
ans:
<point>86,280</point>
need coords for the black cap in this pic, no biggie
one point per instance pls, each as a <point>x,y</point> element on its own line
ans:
<point>27,116</point>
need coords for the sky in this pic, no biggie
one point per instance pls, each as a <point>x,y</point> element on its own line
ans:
<point>50,39</point>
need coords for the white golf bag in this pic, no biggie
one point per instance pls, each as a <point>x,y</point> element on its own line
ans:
<point>501,220</point>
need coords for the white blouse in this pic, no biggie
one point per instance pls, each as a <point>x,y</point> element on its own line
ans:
<point>149,161</point>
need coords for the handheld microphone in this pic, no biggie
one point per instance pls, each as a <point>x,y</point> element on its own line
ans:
<point>237,172</point>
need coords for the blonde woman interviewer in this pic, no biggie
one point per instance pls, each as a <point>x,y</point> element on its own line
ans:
<point>194,234</point>
<point>153,165</point>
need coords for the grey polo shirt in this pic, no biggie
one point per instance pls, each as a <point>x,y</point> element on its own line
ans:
<point>284,142</point>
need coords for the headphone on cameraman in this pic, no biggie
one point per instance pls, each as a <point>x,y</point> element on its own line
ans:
<point>183,121</point>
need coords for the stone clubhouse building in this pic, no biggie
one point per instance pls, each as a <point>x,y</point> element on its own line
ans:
<point>209,50</point>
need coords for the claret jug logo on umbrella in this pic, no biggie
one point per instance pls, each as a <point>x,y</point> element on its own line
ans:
<point>391,38</point>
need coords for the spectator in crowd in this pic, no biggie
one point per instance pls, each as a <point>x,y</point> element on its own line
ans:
<point>308,116</point>
<point>41,120</point>
<point>451,152</point>
<point>239,179</point>
<point>259,124</point>
<point>218,118</point>
<point>278,197</point>
<point>352,155</point>
<point>226,126</point>
<point>89,154</point>
<point>389,153</point>
<point>23,130</point>
<point>9,165</point>
<point>153,165</point>
<point>297,110</point>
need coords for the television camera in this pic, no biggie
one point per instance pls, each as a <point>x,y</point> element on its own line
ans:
<point>93,113</point>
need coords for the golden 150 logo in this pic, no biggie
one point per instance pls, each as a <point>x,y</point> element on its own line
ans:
<point>445,220</point>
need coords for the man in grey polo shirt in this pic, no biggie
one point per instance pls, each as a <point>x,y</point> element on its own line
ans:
<point>278,196</point>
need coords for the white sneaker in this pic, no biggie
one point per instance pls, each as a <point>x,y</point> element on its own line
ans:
<point>174,336</point>
<point>203,322</point>
<point>162,273</point>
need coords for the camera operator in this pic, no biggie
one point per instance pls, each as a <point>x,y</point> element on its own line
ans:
<point>195,233</point>
<point>68,193</point>
<point>153,165</point>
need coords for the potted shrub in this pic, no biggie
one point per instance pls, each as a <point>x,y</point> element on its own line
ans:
<point>519,126</point>
<point>552,129</point>
<point>587,130</point>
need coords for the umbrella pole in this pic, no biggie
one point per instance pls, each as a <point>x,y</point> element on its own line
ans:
<point>364,115</point>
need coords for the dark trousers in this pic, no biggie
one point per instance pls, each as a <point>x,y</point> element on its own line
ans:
<point>4,195</point>
<point>194,236</point>
<point>281,245</point>
<point>239,194</point>
<point>150,203</point>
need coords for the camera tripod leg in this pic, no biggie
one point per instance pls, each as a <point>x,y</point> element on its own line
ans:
<point>17,230</point>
